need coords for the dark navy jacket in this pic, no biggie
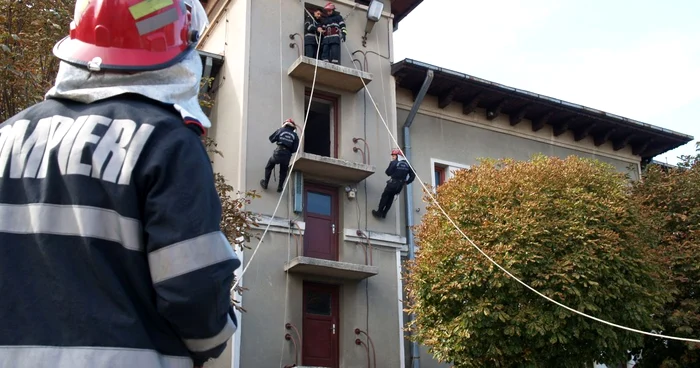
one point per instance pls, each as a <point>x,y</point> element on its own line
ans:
<point>334,25</point>
<point>398,170</point>
<point>111,253</point>
<point>286,137</point>
<point>311,29</point>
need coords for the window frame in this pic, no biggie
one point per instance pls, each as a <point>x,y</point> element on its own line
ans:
<point>448,168</point>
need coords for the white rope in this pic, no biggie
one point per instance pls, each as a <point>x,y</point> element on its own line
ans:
<point>289,171</point>
<point>454,224</point>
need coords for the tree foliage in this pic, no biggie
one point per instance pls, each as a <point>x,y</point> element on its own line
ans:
<point>671,198</point>
<point>28,31</point>
<point>566,227</point>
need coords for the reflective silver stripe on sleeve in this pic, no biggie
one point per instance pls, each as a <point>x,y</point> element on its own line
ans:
<point>82,221</point>
<point>189,255</point>
<point>156,22</point>
<point>72,357</point>
<point>199,345</point>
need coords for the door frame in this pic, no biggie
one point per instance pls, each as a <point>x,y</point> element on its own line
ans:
<point>335,212</point>
<point>335,312</point>
<point>334,101</point>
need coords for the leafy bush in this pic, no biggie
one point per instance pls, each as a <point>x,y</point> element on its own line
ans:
<point>568,228</point>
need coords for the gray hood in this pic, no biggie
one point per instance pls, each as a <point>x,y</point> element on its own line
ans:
<point>177,85</point>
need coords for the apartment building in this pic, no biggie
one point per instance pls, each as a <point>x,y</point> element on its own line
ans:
<point>328,274</point>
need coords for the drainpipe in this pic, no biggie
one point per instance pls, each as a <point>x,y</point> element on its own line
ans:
<point>415,353</point>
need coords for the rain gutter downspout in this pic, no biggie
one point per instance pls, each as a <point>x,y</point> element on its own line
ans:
<point>415,352</point>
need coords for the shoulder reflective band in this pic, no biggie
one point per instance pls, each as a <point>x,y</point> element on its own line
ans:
<point>159,21</point>
<point>146,7</point>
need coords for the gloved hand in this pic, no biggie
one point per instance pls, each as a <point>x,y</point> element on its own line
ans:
<point>342,37</point>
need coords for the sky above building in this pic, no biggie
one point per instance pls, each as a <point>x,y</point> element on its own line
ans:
<point>639,59</point>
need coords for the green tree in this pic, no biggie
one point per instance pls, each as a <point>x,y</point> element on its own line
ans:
<point>671,198</point>
<point>28,31</point>
<point>566,227</point>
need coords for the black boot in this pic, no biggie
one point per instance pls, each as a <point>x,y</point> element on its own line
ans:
<point>279,190</point>
<point>377,214</point>
<point>263,184</point>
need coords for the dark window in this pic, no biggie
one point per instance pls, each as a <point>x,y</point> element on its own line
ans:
<point>320,133</point>
<point>318,302</point>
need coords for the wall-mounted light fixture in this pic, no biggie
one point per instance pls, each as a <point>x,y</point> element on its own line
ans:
<point>374,13</point>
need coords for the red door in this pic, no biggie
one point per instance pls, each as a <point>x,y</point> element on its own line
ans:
<point>321,218</point>
<point>320,329</point>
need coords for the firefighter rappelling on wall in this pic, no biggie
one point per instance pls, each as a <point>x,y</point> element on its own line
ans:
<point>287,143</point>
<point>398,170</point>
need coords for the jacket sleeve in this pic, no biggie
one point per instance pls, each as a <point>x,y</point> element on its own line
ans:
<point>392,167</point>
<point>411,176</point>
<point>341,24</point>
<point>310,25</point>
<point>274,136</point>
<point>190,260</point>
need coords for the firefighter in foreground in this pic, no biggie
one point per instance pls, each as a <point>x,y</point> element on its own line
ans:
<point>333,32</point>
<point>398,170</point>
<point>287,143</point>
<point>111,253</point>
<point>313,34</point>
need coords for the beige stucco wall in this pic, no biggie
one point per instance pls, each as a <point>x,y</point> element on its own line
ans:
<point>255,95</point>
<point>374,309</point>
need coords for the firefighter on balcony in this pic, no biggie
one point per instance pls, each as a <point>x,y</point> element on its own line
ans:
<point>313,33</point>
<point>334,32</point>
<point>398,170</point>
<point>287,143</point>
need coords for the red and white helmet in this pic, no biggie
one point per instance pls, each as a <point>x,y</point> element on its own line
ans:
<point>329,6</point>
<point>290,123</point>
<point>397,152</point>
<point>127,35</point>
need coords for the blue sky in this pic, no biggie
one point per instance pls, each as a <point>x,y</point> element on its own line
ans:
<point>639,59</point>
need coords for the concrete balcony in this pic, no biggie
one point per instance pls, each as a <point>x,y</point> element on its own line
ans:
<point>329,75</point>
<point>332,170</point>
<point>332,269</point>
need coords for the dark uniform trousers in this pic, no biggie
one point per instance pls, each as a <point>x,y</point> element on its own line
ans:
<point>331,48</point>
<point>393,187</point>
<point>281,157</point>
<point>310,45</point>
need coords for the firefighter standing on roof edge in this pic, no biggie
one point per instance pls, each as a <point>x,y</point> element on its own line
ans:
<point>398,170</point>
<point>111,253</point>
<point>313,34</point>
<point>287,143</point>
<point>334,32</point>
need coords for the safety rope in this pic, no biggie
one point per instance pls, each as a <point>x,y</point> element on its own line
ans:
<point>454,224</point>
